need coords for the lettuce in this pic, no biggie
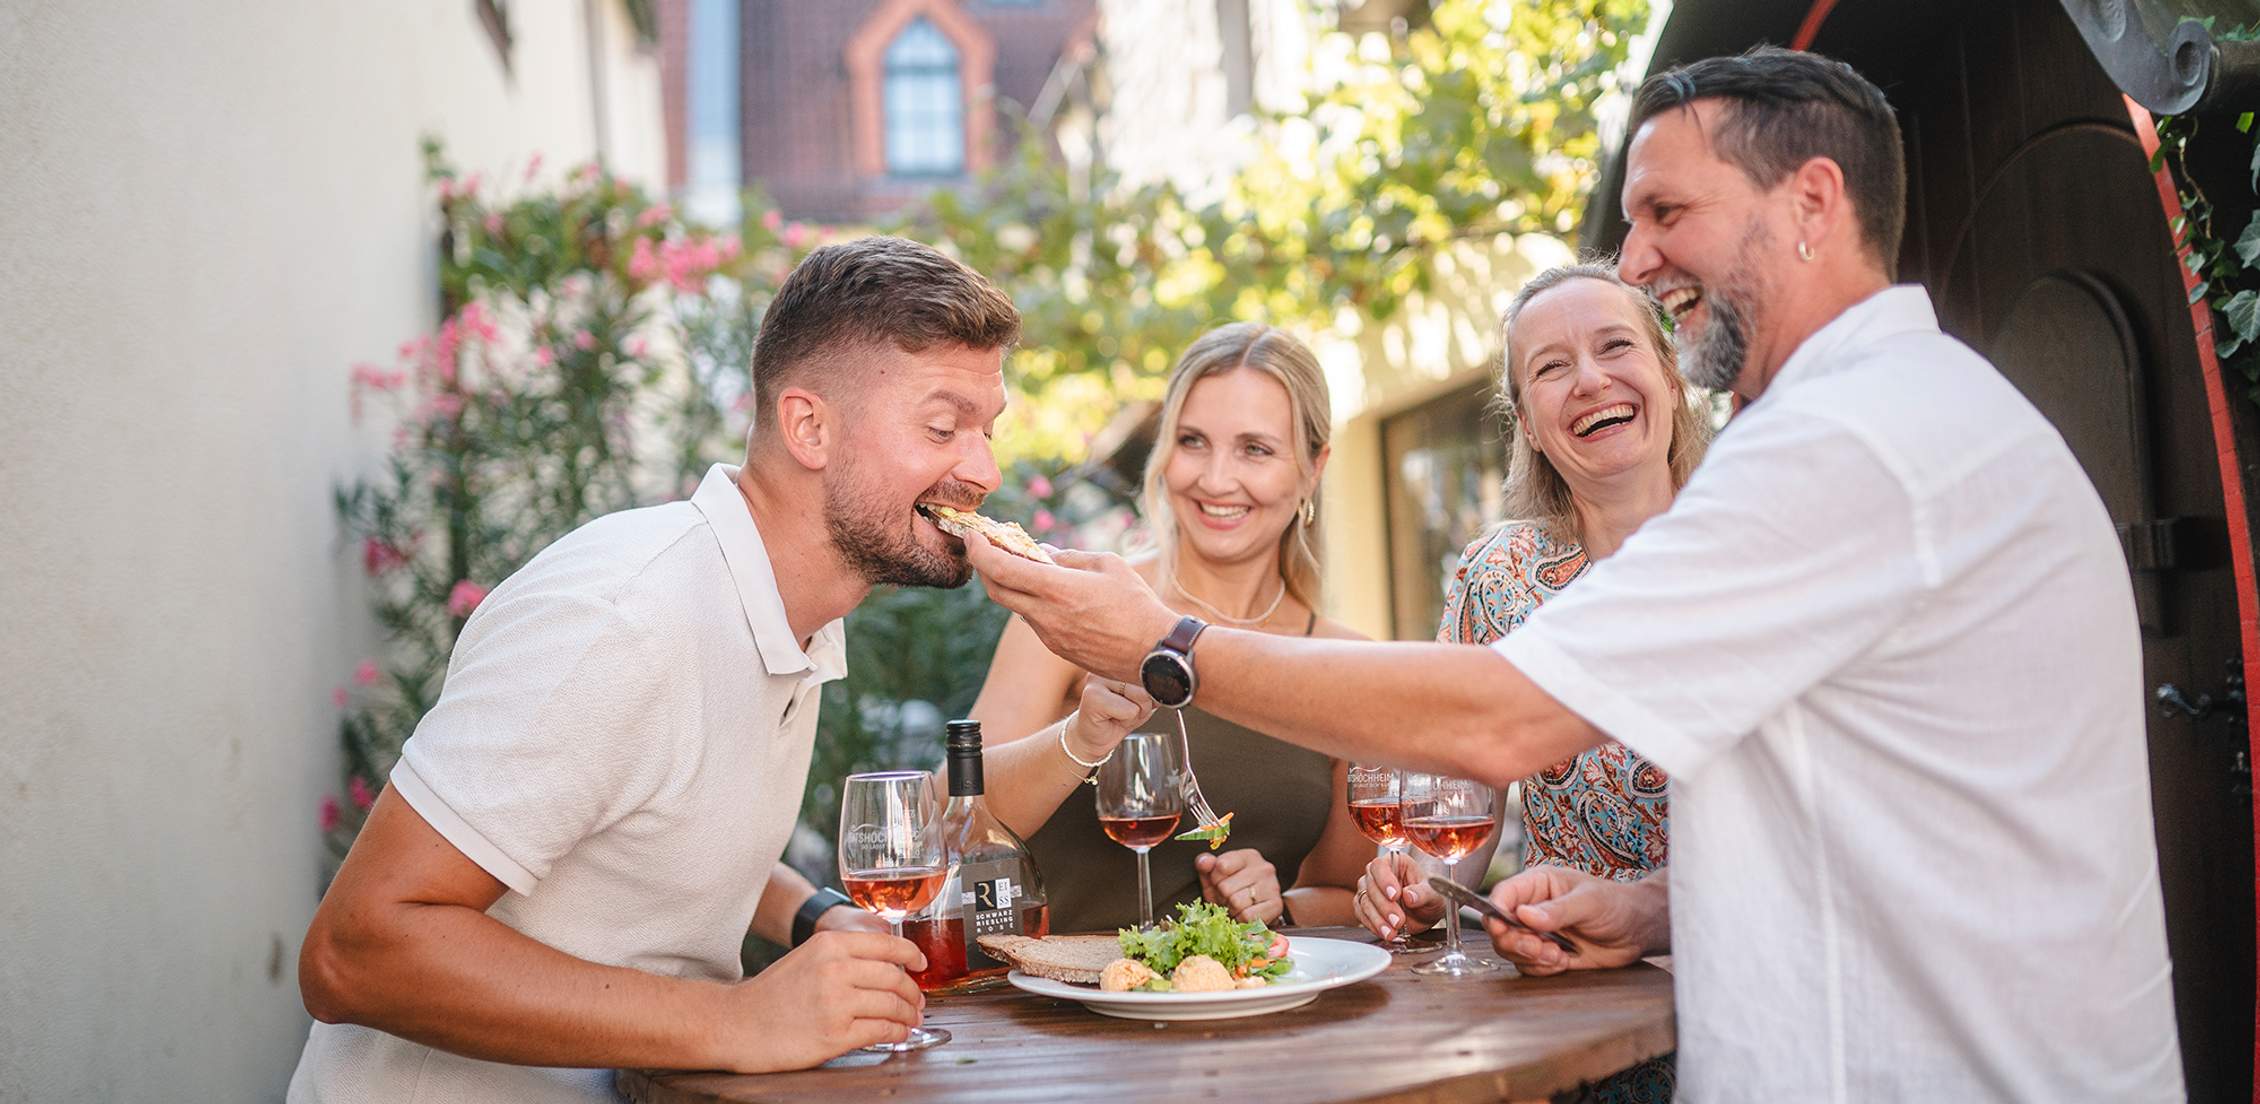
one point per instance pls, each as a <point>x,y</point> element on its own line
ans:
<point>1202,928</point>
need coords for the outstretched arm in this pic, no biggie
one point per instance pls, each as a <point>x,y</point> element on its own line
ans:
<point>1446,707</point>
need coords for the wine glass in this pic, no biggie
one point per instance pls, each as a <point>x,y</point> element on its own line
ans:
<point>1449,818</point>
<point>891,858</point>
<point>1141,796</point>
<point>1378,808</point>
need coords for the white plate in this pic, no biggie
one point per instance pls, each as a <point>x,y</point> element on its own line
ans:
<point>1319,965</point>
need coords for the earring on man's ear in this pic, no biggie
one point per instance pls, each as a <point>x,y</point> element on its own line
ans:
<point>1310,512</point>
<point>1804,252</point>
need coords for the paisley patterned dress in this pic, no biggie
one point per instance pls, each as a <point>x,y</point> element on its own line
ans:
<point>1605,810</point>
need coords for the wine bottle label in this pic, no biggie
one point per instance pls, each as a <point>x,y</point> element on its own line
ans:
<point>988,892</point>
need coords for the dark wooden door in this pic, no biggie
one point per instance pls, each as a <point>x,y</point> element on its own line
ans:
<point>2035,221</point>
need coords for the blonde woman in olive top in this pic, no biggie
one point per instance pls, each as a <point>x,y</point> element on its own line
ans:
<point>1231,494</point>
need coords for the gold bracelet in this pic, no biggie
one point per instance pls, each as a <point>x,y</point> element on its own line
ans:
<point>1091,770</point>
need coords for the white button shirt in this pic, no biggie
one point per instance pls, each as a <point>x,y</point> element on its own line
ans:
<point>1885,645</point>
<point>622,741</point>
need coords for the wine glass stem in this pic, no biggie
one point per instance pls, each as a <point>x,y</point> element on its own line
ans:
<point>1451,915</point>
<point>1145,890</point>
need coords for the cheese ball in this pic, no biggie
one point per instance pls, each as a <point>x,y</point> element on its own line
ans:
<point>1201,974</point>
<point>1123,975</point>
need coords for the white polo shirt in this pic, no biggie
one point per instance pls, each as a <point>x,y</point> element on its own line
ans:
<point>1885,645</point>
<point>622,741</point>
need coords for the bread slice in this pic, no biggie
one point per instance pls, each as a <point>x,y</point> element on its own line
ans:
<point>971,526</point>
<point>1074,959</point>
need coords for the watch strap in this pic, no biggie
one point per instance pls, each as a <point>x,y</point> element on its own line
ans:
<point>1180,638</point>
<point>820,902</point>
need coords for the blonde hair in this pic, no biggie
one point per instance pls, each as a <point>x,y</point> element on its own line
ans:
<point>1277,354</point>
<point>1535,489</point>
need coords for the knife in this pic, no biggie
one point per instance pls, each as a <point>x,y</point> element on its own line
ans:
<point>1463,895</point>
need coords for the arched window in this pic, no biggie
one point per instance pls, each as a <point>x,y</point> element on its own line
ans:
<point>925,104</point>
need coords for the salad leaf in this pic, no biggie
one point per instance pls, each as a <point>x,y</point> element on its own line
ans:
<point>1213,833</point>
<point>1203,928</point>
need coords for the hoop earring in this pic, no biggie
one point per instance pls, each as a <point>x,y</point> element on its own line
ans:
<point>1804,252</point>
<point>1309,512</point>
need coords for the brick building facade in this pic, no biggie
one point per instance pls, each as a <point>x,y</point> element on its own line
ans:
<point>848,109</point>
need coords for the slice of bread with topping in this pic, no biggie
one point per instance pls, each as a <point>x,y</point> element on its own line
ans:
<point>1074,959</point>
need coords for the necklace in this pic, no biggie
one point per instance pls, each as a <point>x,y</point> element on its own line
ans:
<point>1226,617</point>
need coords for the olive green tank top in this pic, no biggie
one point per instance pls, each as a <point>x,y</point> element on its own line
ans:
<point>1280,795</point>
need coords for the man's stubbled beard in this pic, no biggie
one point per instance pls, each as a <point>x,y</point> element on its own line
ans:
<point>1715,359</point>
<point>878,540</point>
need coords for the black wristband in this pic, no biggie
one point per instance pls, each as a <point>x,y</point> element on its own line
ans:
<point>820,902</point>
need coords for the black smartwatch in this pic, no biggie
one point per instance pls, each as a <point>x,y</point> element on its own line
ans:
<point>820,902</point>
<point>1168,670</point>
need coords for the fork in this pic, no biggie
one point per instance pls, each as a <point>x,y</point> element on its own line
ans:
<point>1203,815</point>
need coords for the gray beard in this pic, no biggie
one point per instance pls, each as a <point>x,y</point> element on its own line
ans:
<point>881,549</point>
<point>1715,360</point>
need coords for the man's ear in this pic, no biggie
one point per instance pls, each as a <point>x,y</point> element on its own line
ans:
<point>807,427</point>
<point>1819,204</point>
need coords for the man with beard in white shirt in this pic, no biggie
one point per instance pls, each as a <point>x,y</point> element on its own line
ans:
<point>581,831</point>
<point>1883,642</point>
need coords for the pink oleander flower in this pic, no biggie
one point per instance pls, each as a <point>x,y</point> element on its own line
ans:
<point>588,172</point>
<point>1039,487</point>
<point>378,557</point>
<point>464,598</point>
<point>366,673</point>
<point>638,346</point>
<point>795,235</point>
<point>446,188</point>
<point>584,340</point>
<point>340,698</point>
<point>772,219</point>
<point>654,215</point>
<point>470,186</point>
<point>1045,522</point>
<point>729,247</point>
<point>533,165</point>
<point>330,815</point>
<point>545,356</point>
<point>494,224</point>
<point>476,320</point>
<point>643,263</point>
<point>441,404</point>
<point>358,789</point>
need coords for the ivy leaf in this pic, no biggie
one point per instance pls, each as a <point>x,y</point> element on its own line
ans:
<point>2197,293</point>
<point>2256,167</point>
<point>2243,314</point>
<point>2227,349</point>
<point>2248,243</point>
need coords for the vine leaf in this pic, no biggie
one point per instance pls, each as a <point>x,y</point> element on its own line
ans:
<point>2243,314</point>
<point>2248,243</point>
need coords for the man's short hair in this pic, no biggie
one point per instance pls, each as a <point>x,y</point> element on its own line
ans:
<point>855,295</point>
<point>1786,107</point>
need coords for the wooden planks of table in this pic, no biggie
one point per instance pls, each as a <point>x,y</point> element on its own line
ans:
<point>1397,1037</point>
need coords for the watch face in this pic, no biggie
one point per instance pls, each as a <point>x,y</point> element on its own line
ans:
<point>1168,678</point>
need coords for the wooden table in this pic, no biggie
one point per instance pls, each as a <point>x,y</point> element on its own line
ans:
<point>1398,1037</point>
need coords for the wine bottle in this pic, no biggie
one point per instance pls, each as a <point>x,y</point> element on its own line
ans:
<point>993,886</point>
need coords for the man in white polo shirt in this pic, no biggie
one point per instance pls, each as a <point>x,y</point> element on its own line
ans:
<point>1884,643</point>
<point>581,831</point>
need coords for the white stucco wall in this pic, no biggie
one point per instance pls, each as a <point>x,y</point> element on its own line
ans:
<point>208,211</point>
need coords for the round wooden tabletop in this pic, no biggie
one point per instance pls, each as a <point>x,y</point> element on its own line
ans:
<point>1400,1036</point>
